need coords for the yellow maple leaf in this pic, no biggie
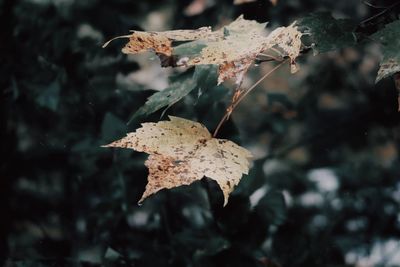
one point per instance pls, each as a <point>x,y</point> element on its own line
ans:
<point>182,152</point>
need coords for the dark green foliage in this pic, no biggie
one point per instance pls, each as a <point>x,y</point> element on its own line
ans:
<point>203,78</point>
<point>326,33</point>
<point>65,201</point>
<point>388,37</point>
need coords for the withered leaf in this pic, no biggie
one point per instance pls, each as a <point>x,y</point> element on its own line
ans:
<point>389,38</point>
<point>233,48</point>
<point>160,42</point>
<point>182,151</point>
<point>243,41</point>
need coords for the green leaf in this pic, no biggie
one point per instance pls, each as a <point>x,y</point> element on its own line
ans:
<point>189,49</point>
<point>112,255</point>
<point>28,263</point>
<point>167,97</point>
<point>203,76</point>
<point>206,76</point>
<point>272,208</point>
<point>50,97</point>
<point>327,33</point>
<point>112,127</point>
<point>389,37</point>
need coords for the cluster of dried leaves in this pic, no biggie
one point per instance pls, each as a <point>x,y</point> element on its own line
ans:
<point>183,151</point>
<point>233,48</point>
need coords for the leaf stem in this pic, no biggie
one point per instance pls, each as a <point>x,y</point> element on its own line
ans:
<point>236,102</point>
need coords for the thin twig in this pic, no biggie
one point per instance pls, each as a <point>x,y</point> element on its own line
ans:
<point>242,96</point>
<point>379,14</point>
<point>373,6</point>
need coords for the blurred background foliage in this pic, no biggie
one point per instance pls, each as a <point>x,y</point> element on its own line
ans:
<point>324,188</point>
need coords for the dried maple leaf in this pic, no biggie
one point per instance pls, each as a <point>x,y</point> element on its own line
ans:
<point>243,41</point>
<point>288,39</point>
<point>182,151</point>
<point>233,48</point>
<point>160,42</point>
<point>387,68</point>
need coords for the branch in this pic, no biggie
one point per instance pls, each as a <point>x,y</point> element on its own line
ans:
<point>242,96</point>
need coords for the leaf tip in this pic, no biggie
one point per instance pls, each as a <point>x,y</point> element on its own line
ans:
<point>225,202</point>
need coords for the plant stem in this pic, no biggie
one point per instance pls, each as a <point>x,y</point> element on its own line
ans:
<point>241,97</point>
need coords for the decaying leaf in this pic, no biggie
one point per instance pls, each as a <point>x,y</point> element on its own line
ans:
<point>243,41</point>
<point>160,42</point>
<point>182,151</point>
<point>233,48</point>
<point>389,38</point>
<point>387,68</point>
<point>240,43</point>
<point>288,39</point>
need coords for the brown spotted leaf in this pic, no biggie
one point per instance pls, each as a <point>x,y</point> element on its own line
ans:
<point>233,48</point>
<point>182,152</point>
<point>243,41</point>
<point>160,42</point>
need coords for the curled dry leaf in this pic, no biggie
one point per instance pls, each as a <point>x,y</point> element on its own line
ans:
<point>233,48</point>
<point>182,152</point>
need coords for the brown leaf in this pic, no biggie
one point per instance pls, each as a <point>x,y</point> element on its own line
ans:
<point>387,68</point>
<point>288,39</point>
<point>245,41</point>
<point>160,42</point>
<point>182,151</point>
